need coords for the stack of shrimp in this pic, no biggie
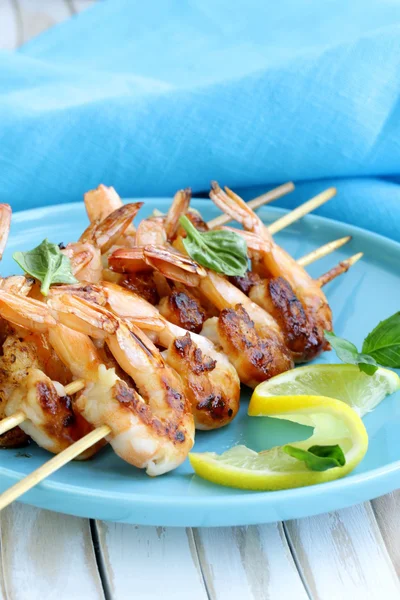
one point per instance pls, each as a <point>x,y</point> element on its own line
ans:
<point>160,343</point>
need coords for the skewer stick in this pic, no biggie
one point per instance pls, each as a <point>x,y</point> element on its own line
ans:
<point>323,251</point>
<point>302,210</point>
<point>74,386</point>
<point>19,417</point>
<point>12,421</point>
<point>266,198</point>
<point>342,267</point>
<point>53,465</point>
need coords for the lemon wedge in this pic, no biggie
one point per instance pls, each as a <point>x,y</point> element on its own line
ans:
<point>343,382</point>
<point>334,423</point>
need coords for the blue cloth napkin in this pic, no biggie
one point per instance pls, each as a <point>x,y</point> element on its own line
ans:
<point>154,96</point>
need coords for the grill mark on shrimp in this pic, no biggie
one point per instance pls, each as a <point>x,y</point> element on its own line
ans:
<point>130,400</point>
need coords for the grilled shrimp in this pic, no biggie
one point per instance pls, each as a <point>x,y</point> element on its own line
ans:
<point>276,296</point>
<point>273,262</point>
<point>106,233</point>
<point>51,420</point>
<point>155,433</point>
<point>151,428</point>
<point>98,239</point>
<point>17,284</point>
<point>248,335</point>
<point>152,250</point>
<point>169,262</point>
<point>100,203</point>
<point>211,383</point>
<point>52,423</point>
<point>85,261</point>
<point>181,307</point>
<point>179,207</point>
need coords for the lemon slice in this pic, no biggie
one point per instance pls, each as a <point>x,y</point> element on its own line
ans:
<point>334,423</point>
<point>343,382</point>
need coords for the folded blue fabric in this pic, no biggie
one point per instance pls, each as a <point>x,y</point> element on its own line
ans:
<point>153,96</point>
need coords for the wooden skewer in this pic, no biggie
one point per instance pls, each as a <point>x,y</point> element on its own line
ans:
<point>323,251</point>
<point>74,386</point>
<point>302,210</point>
<point>19,417</point>
<point>12,421</point>
<point>266,198</point>
<point>342,267</point>
<point>53,465</point>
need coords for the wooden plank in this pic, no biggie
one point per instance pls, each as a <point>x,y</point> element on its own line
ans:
<point>10,31</point>
<point>38,15</point>
<point>250,563</point>
<point>387,511</point>
<point>47,555</point>
<point>342,555</point>
<point>149,562</point>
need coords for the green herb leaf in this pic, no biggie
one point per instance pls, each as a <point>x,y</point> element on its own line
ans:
<point>318,458</point>
<point>221,251</point>
<point>46,263</point>
<point>383,343</point>
<point>348,353</point>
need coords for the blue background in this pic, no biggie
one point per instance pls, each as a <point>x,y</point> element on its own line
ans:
<point>153,96</point>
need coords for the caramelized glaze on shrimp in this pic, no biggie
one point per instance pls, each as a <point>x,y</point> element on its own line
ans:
<point>211,383</point>
<point>151,428</point>
<point>273,262</point>
<point>51,420</point>
<point>249,336</point>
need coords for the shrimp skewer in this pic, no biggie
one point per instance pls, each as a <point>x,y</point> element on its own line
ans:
<point>41,407</point>
<point>248,335</point>
<point>152,428</point>
<point>262,351</point>
<point>276,296</point>
<point>156,433</point>
<point>273,261</point>
<point>211,382</point>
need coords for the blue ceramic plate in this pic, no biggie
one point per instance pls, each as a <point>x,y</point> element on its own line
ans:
<point>108,488</point>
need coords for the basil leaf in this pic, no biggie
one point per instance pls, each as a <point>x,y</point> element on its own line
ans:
<point>318,458</point>
<point>221,251</point>
<point>383,343</point>
<point>46,263</point>
<point>348,353</point>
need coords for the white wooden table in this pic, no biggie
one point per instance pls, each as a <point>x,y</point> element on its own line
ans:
<point>352,554</point>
